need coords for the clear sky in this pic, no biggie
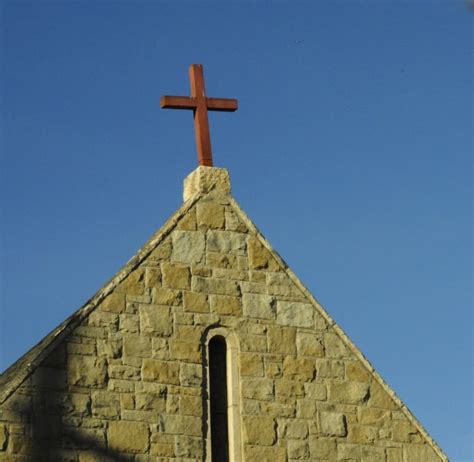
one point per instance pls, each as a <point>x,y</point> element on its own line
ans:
<point>351,151</point>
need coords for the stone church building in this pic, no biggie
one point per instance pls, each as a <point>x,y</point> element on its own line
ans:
<point>204,347</point>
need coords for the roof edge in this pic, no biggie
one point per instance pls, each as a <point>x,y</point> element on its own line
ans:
<point>22,368</point>
<point>332,323</point>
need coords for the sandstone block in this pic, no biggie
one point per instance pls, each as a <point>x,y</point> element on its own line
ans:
<point>195,302</point>
<point>306,409</point>
<point>362,434</point>
<point>295,314</point>
<point>105,404</point>
<point>86,371</point>
<point>164,372</point>
<point>259,430</point>
<point>175,276</point>
<point>156,319</point>
<point>258,306</point>
<point>335,347</point>
<point>182,425</point>
<point>403,431</point>
<point>256,343</point>
<point>265,454</point>
<point>322,448</point>
<point>210,215</point>
<point>371,416</point>
<point>129,323</point>
<point>309,345</point>
<point>188,222</point>
<point>129,437</point>
<point>151,401</point>
<point>190,375</point>
<point>296,429</point>
<point>380,398</point>
<point>394,455</point>
<point>330,369</point>
<point>188,447</point>
<point>281,284</point>
<point>251,364</point>
<point>190,405</point>
<point>163,296</point>
<point>225,304</point>
<point>298,449</point>
<point>259,257</point>
<point>233,222</point>
<point>285,389</point>
<point>185,351</point>
<point>161,252</point>
<point>221,260</point>
<point>333,424</point>
<point>152,277</point>
<point>261,389</point>
<point>281,340</point>
<point>226,242</point>
<point>349,392</point>
<point>215,286</point>
<point>299,369</point>
<point>134,283</point>
<point>188,246</point>
<point>357,372</point>
<point>137,346</point>
<point>315,391</point>
<point>205,179</point>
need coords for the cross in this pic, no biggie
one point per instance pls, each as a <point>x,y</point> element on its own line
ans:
<point>200,104</point>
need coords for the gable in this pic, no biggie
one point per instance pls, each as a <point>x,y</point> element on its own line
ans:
<point>130,362</point>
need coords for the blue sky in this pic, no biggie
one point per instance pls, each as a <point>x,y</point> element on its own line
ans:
<point>351,151</point>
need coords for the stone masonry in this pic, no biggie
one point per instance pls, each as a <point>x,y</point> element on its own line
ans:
<point>123,379</point>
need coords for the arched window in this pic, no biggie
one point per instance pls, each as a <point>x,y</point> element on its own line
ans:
<point>218,399</point>
<point>224,440</point>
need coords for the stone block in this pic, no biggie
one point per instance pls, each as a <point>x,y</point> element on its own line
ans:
<point>151,401</point>
<point>288,390</point>
<point>251,364</point>
<point>86,371</point>
<point>348,392</point>
<point>175,276</point>
<point>210,215</point>
<point>258,306</point>
<point>185,351</point>
<point>156,320</point>
<point>206,179</point>
<point>137,346</point>
<point>161,252</point>
<point>295,314</point>
<point>281,340</point>
<point>164,372</point>
<point>221,260</point>
<point>259,430</point>
<point>380,398</point>
<point>357,372</point>
<point>335,347</point>
<point>322,448</point>
<point>265,454</point>
<point>260,258</point>
<point>188,246</point>
<point>333,424</point>
<point>215,286</point>
<point>105,404</point>
<point>376,417</point>
<point>261,389</point>
<point>188,447</point>
<point>329,369</point>
<point>225,304</point>
<point>297,449</point>
<point>188,221</point>
<point>299,369</point>
<point>316,391</point>
<point>226,242</point>
<point>281,284</point>
<point>195,302</point>
<point>181,425</point>
<point>296,429</point>
<point>133,284</point>
<point>129,323</point>
<point>233,222</point>
<point>163,296</point>
<point>129,437</point>
<point>190,375</point>
<point>362,434</point>
<point>309,345</point>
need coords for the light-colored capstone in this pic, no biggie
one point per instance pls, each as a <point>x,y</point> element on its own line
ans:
<point>205,179</point>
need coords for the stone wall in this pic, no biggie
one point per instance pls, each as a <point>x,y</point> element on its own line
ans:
<point>126,384</point>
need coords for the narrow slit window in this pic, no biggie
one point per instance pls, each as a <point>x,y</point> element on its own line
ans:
<point>218,399</point>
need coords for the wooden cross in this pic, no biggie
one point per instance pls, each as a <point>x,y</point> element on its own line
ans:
<point>200,104</point>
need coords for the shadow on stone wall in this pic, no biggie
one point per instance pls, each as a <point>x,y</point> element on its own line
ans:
<point>51,424</point>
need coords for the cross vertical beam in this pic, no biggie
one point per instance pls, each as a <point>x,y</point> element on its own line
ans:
<point>200,104</point>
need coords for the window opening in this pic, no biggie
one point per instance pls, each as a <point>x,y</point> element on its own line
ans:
<point>218,399</point>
